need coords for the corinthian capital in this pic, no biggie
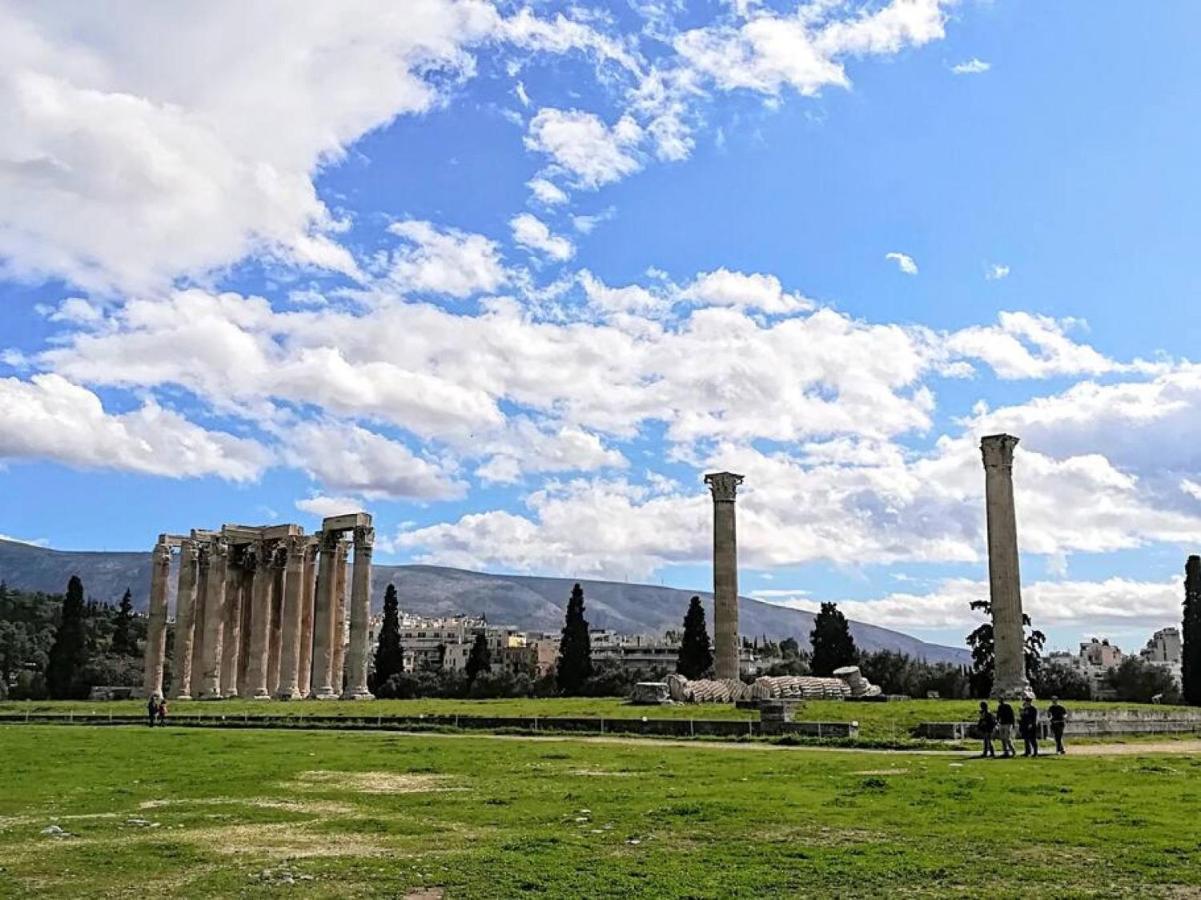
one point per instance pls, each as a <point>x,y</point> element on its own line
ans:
<point>997,450</point>
<point>723,485</point>
<point>364,538</point>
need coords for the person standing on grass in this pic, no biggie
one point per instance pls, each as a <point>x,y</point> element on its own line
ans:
<point>986,724</point>
<point>151,709</point>
<point>1029,727</point>
<point>1059,717</point>
<point>1005,719</point>
<point>162,712</point>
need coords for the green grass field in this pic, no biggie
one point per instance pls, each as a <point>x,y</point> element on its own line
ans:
<point>877,721</point>
<point>194,813</point>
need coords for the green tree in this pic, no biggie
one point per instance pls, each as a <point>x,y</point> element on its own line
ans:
<point>696,656</point>
<point>833,646</point>
<point>68,655</point>
<point>479,660</point>
<point>1190,662</point>
<point>1057,679</point>
<point>575,647</point>
<point>984,650</point>
<point>790,647</point>
<point>389,655</point>
<point>1141,682</point>
<point>123,642</point>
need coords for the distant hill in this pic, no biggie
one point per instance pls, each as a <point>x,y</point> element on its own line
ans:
<point>525,601</point>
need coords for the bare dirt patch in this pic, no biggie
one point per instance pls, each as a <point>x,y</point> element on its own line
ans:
<point>374,782</point>
<point>310,807</point>
<point>881,772</point>
<point>600,773</point>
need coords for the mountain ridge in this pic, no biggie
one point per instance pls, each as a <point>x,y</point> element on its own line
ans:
<point>528,602</point>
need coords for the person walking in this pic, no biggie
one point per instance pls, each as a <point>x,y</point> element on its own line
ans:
<point>162,712</point>
<point>1059,717</point>
<point>986,725</point>
<point>1028,722</point>
<point>152,710</point>
<point>1005,719</point>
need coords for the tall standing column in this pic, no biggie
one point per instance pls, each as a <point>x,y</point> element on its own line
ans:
<point>338,665</point>
<point>323,618</point>
<point>203,560</point>
<point>156,624</point>
<point>279,562</point>
<point>232,642</point>
<point>360,615</point>
<point>304,664</point>
<point>1004,579</point>
<point>260,628</point>
<point>246,604</point>
<point>724,487</point>
<point>288,686</point>
<point>214,620</point>
<point>185,609</point>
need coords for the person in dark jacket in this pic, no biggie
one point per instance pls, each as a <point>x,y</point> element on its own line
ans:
<point>152,709</point>
<point>1005,720</point>
<point>1059,717</point>
<point>1028,726</point>
<point>986,725</point>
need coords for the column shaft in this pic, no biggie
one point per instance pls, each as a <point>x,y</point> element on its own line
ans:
<point>360,616</point>
<point>323,619</point>
<point>288,685</point>
<point>156,624</point>
<point>203,558</point>
<point>275,643</point>
<point>185,610</point>
<point>260,628</point>
<point>246,602</point>
<point>724,487</point>
<point>338,666</point>
<point>304,663</point>
<point>232,639</point>
<point>214,621</point>
<point>1004,578</point>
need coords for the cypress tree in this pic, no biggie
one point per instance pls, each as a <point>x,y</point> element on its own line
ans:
<point>833,645</point>
<point>1190,663</point>
<point>575,647</point>
<point>696,656</point>
<point>480,658</point>
<point>68,654</point>
<point>124,643</point>
<point>389,655</point>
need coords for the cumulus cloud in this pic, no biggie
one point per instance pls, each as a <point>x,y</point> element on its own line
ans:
<point>578,143</point>
<point>996,271</point>
<point>722,287</point>
<point>532,232</point>
<point>547,192</point>
<point>48,417</point>
<point>445,261</point>
<point>323,506</point>
<point>904,262</point>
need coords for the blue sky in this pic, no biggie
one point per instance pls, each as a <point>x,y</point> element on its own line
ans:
<point>513,277</point>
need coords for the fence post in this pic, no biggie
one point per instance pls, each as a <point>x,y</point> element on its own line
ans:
<point>602,718</point>
<point>691,727</point>
<point>819,729</point>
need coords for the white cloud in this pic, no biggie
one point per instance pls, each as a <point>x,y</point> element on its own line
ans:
<point>532,232</point>
<point>633,298</point>
<point>446,261</point>
<point>524,447</point>
<point>584,147</point>
<point>346,457</point>
<point>904,262</point>
<point>996,271</point>
<point>972,66</point>
<point>323,506</point>
<point>48,417</point>
<point>722,287</point>
<point>547,192</point>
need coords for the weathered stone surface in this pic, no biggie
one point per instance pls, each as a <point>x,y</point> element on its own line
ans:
<point>1004,578</point>
<point>724,487</point>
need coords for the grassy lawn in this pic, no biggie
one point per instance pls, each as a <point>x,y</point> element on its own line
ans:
<point>178,812</point>
<point>877,721</point>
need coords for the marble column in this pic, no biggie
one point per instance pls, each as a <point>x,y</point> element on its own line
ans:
<point>338,665</point>
<point>185,610</point>
<point>260,628</point>
<point>724,487</point>
<point>203,559</point>
<point>323,618</point>
<point>246,604</point>
<point>279,560</point>
<point>1004,579</point>
<point>156,620</point>
<point>288,685</point>
<point>304,663</point>
<point>360,615</point>
<point>232,643</point>
<point>214,620</point>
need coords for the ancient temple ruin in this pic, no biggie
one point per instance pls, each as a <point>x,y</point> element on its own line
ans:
<point>262,611</point>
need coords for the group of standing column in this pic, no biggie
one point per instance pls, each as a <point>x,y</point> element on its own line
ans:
<point>262,612</point>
